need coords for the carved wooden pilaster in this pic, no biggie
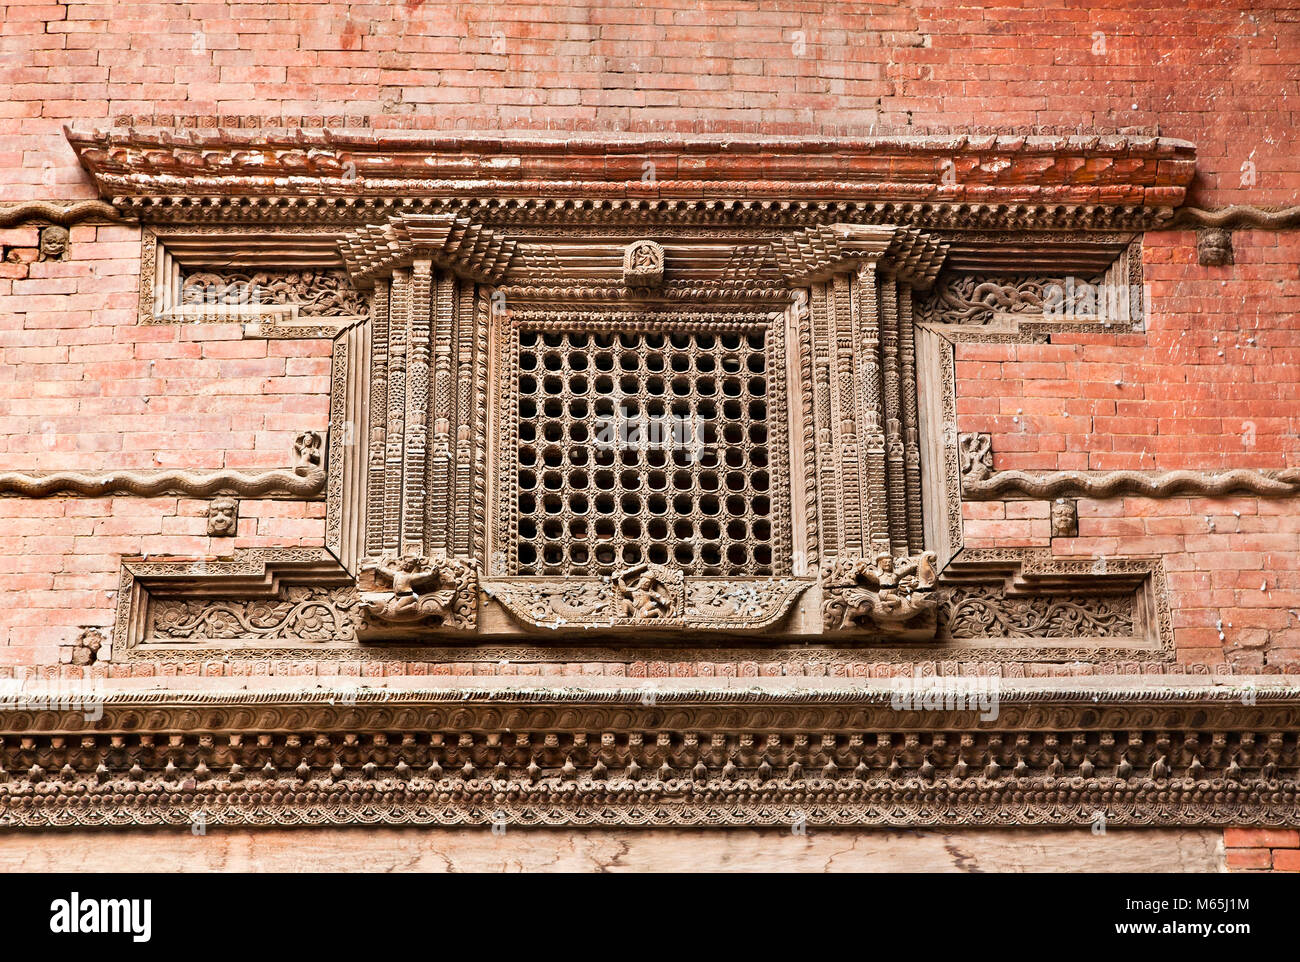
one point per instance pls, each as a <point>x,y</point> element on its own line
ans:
<point>376,496</point>
<point>911,420</point>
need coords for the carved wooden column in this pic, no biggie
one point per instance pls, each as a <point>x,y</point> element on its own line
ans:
<point>429,343</point>
<point>860,283</point>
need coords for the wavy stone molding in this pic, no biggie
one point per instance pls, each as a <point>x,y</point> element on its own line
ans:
<point>284,483</point>
<point>307,480</point>
<point>66,215</point>
<point>1238,216</point>
<point>1114,484</point>
<point>944,751</point>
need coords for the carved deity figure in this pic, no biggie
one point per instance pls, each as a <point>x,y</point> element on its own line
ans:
<point>223,517</point>
<point>308,448</point>
<point>976,456</point>
<point>643,264</point>
<point>421,590</point>
<point>885,593</point>
<point>640,593</point>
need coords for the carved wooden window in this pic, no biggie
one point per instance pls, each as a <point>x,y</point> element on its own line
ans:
<point>554,416</point>
<point>643,439</point>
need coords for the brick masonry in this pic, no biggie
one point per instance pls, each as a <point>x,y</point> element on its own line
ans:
<point>1211,383</point>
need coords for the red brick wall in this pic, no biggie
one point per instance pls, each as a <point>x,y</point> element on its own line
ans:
<point>1199,70</point>
<point>1262,849</point>
<point>82,386</point>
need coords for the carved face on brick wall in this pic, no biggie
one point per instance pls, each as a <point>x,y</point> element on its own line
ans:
<point>223,518</point>
<point>1213,247</point>
<point>1065,519</point>
<point>54,244</point>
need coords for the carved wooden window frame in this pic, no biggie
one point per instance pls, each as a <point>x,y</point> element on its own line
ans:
<point>856,263</point>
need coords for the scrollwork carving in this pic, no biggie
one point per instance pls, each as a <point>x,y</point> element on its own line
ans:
<point>302,613</point>
<point>969,612</point>
<point>317,293</point>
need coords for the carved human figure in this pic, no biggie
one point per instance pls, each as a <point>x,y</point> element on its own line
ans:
<point>884,591</point>
<point>54,243</point>
<point>976,456</point>
<point>223,517</point>
<point>307,450</point>
<point>639,593</point>
<point>408,576</point>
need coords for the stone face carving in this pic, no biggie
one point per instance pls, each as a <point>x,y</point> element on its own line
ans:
<point>317,293</point>
<point>1214,247</point>
<point>54,243</point>
<point>422,592</point>
<point>223,518</point>
<point>84,650</point>
<point>976,456</point>
<point>886,594</point>
<point>1065,518</point>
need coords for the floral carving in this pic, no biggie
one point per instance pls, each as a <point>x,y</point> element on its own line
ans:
<point>971,612</point>
<point>302,613</point>
<point>317,293</point>
<point>968,299</point>
<point>648,596</point>
<point>888,594</point>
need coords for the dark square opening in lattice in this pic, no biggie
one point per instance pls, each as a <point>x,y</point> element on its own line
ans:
<point>643,447</point>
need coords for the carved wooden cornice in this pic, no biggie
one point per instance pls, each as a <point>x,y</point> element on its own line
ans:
<point>455,243</point>
<point>915,752</point>
<point>1017,173</point>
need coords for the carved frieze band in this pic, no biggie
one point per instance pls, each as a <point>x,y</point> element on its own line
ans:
<point>940,751</point>
<point>652,599</point>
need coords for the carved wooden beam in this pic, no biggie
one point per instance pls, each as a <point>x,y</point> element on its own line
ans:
<point>1147,172</point>
<point>939,751</point>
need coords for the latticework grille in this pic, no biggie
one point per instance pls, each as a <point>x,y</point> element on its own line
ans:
<point>642,446</point>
